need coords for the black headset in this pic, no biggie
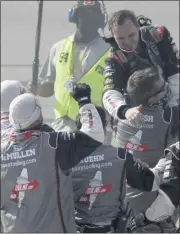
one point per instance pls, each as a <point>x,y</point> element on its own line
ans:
<point>144,21</point>
<point>72,12</point>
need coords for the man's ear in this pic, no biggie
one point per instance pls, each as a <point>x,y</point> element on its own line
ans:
<point>144,99</point>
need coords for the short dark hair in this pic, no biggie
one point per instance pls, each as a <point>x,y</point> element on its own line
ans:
<point>141,85</point>
<point>102,116</point>
<point>119,17</point>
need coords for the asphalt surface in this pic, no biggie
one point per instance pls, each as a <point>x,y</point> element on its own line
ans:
<point>18,26</point>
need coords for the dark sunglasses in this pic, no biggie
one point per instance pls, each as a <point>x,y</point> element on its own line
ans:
<point>160,90</point>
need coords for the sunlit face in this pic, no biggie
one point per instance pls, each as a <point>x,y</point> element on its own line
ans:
<point>126,35</point>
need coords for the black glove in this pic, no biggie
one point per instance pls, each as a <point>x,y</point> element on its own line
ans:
<point>143,21</point>
<point>136,222</point>
<point>82,94</point>
<point>140,224</point>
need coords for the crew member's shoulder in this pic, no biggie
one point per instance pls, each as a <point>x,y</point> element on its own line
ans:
<point>157,31</point>
<point>50,138</point>
<point>161,29</point>
<point>57,45</point>
<point>101,44</point>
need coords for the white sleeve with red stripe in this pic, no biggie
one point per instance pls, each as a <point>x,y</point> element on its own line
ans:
<point>91,122</point>
<point>112,100</point>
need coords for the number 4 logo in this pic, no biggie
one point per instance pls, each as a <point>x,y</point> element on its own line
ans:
<point>63,57</point>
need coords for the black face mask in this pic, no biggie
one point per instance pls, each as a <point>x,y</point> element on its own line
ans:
<point>88,23</point>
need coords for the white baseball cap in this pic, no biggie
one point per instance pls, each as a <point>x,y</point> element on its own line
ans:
<point>24,111</point>
<point>9,90</point>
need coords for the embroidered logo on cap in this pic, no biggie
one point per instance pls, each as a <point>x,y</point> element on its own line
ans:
<point>89,3</point>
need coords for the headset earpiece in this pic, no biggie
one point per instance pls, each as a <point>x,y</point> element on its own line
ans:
<point>105,19</point>
<point>71,14</point>
<point>105,15</point>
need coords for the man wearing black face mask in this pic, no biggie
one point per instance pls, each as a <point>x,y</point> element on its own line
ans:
<point>160,126</point>
<point>78,58</point>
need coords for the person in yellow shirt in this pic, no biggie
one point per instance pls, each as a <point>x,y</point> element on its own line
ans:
<point>78,58</point>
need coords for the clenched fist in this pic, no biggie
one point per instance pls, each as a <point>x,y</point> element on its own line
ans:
<point>81,93</point>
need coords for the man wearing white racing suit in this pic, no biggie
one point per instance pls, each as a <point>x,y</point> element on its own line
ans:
<point>36,186</point>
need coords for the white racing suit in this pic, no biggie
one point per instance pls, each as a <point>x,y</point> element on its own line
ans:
<point>165,178</point>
